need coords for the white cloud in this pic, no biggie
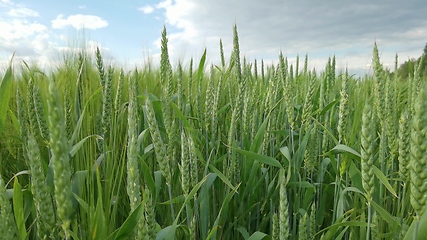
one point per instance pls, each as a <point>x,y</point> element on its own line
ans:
<point>70,45</point>
<point>320,28</point>
<point>40,43</point>
<point>18,29</point>
<point>82,6</point>
<point>8,2</point>
<point>18,33</point>
<point>70,48</point>
<point>146,9</point>
<point>28,40</point>
<point>164,4</point>
<point>36,43</point>
<point>79,21</point>
<point>179,15</point>
<point>92,45</point>
<point>22,12</point>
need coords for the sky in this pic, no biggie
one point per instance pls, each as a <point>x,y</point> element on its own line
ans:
<point>128,32</point>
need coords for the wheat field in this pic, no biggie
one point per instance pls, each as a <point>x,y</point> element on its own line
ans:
<point>237,150</point>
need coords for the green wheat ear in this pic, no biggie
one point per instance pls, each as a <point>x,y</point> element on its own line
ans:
<point>194,166</point>
<point>375,226</point>
<point>8,226</point>
<point>368,140</point>
<point>120,83</point>
<point>308,102</point>
<point>379,87</point>
<point>159,146</point>
<point>107,103</point>
<point>302,229</point>
<point>418,154</point>
<point>313,223</point>
<point>22,119</point>
<point>404,146</point>
<point>100,66</point>
<point>60,158</point>
<point>275,226</point>
<point>164,60</point>
<point>41,120</point>
<point>342,120</point>
<point>283,212</point>
<point>150,214</point>
<point>133,175</point>
<point>32,115</point>
<point>41,192</point>
<point>343,109</point>
<point>185,164</point>
<point>221,52</point>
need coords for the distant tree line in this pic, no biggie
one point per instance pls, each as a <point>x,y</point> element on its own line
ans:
<point>407,68</point>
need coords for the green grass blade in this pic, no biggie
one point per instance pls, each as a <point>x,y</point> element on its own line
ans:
<point>169,231</point>
<point>75,148</point>
<point>261,158</point>
<point>329,106</point>
<point>78,181</point>
<point>5,92</point>
<point>175,200</point>
<point>340,148</point>
<point>18,209</point>
<point>201,66</point>
<point>148,178</point>
<point>128,226</point>
<point>259,137</point>
<point>205,200</point>
<point>420,226</point>
<point>257,236</point>
<point>333,229</point>
<point>81,117</point>
<point>181,116</point>
<point>223,211</point>
<point>394,225</point>
<point>300,184</point>
<point>285,152</point>
<point>244,232</point>
<point>83,204</point>
<point>99,230</point>
<point>221,176</point>
<point>380,175</point>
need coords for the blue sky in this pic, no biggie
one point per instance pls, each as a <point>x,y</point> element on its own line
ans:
<point>129,31</point>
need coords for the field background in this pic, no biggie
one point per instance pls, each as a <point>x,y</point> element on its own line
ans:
<point>236,150</point>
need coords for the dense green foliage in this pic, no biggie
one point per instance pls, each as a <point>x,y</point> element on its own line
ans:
<point>407,68</point>
<point>237,150</point>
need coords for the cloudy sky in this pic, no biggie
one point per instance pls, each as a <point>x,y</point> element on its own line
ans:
<point>129,31</point>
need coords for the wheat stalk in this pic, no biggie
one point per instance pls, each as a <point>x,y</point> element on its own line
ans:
<point>60,158</point>
<point>418,156</point>
<point>368,142</point>
<point>41,192</point>
<point>283,212</point>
